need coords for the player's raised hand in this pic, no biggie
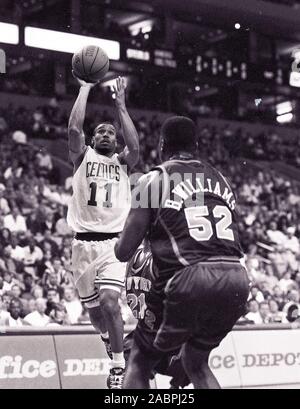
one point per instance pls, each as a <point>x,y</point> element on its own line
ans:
<point>119,90</point>
<point>83,83</point>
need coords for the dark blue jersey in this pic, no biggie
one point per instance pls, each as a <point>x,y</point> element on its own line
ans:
<point>139,276</point>
<point>197,217</point>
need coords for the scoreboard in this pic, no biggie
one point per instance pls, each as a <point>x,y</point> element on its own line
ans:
<point>201,65</point>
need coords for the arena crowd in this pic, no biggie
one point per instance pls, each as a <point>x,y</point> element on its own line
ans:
<point>36,286</point>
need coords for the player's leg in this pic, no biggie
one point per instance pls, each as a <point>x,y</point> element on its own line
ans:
<point>84,254</point>
<point>222,291</point>
<point>110,281</point>
<point>144,357</point>
<point>99,323</point>
<point>195,363</point>
<point>139,368</point>
<point>109,304</point>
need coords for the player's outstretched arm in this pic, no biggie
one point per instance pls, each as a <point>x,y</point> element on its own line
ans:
<point>75,128</point>
<point>135,229</point>
<point>139,218</point>
<point>130,154</point>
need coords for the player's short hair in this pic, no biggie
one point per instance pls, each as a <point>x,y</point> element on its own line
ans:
<point>103,123</point>
<point>178,133</point>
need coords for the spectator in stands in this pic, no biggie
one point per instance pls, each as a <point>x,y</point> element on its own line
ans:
<point>4,206</point>
<point>62,228</point>
<point>276,316</point>
<point>15,310</point>
<point>28,282</point>
<point>51,281</point>
<point>253,315</point>
<point>265,289</point>
<point>61,273</point>
<point>256,294</point>
<point>37,292</point>
<point>264,311</point>
<point>8,281</point>
<point>33,224</point>
<point>72,304</point>
<point>27,198</point>
<point>53,298</point>
<point>286,283</point>
<point>13,171</point>
<point>59,196</point>
<point>58,316</point>
<point>38,318</point>
<point>278,296</point>
<point>28,303</point>
<point>292,248</point>
<point>6,298</point>
<point>44,162</point>
<point>17,252</point>
<point>293,298</point>
<point>66,259</point>
<point>275,236</point>
<point>49,223</point>
<point>16,291</point>
<point>7,262</point>
<point>4,314</point>
<point>48,243</point>
<point>270,278</point>
<point>5,237</point>
<point>33,255</point>
<point>14,221</point>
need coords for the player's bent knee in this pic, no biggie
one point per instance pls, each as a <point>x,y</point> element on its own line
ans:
<point>109,302</point>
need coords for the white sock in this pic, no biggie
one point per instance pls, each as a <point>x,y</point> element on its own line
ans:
<point>118,360</point>
<point>104,335</point>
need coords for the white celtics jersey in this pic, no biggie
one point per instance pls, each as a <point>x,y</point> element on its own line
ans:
<point>101,195</point>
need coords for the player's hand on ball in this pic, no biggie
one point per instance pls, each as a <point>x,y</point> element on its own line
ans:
<point>83,83</point>
<point>119,90</point>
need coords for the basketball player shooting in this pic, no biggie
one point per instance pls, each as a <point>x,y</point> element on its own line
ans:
<point>97,213</point>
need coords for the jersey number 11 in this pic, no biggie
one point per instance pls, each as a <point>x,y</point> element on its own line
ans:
<point>92,201</point>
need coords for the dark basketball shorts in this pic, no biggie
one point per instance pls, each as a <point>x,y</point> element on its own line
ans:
<point>200,304</point>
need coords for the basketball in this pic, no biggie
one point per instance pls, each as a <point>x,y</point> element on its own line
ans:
<point>90,63</point>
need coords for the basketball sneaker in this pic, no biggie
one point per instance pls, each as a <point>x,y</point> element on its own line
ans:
<point>115,378</point>
<point>107,347</point>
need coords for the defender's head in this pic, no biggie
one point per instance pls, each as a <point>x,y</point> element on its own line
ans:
<point>104,139</point>
<point>178,134</point>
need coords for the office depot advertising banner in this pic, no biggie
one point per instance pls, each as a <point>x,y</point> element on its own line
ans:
<point>255,359</point>
<point>28,362</point>
<point>245,358</point>
<point>83,361</point>
<point>268,357</point>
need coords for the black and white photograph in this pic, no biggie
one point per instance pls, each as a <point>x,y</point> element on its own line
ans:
<point>149,197</point>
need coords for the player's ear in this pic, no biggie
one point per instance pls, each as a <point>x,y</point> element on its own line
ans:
<point>92,141</point>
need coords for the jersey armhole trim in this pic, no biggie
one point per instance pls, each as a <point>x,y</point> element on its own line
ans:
<point>79,160</point>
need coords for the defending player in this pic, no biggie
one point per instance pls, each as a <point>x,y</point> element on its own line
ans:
<point>201,289</point>
<point>97,212</point>
<point>139,276</point>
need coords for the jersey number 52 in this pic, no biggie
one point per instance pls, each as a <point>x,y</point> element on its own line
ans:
<point>200,226</point>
